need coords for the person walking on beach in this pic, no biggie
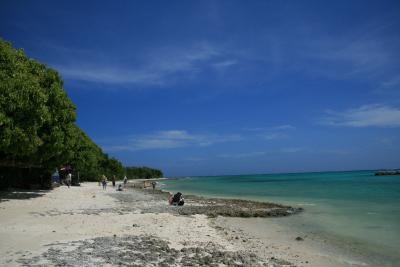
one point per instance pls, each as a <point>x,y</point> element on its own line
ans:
<point>113,180</point>
<point>153,184</point>
<point>104,182</point>
<point>125,180</point>
<point>68,179</point>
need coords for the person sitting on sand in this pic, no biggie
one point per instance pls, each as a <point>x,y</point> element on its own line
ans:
<point>178,199</point>
<point>120,188</point>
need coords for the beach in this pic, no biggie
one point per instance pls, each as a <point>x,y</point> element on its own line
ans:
<point>89,226</point>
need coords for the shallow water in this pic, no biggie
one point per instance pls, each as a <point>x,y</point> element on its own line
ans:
<point>356,208</point>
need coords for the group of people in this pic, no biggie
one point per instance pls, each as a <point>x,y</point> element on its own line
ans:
<point>175,200</point>
<point>103,181</point>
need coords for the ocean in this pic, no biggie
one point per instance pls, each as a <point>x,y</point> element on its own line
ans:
<point>353,209</point>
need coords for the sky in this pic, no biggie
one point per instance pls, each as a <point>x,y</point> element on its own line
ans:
<point>225,87</point>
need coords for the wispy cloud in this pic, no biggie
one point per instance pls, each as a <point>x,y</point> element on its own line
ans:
<point>242,155</point>
<point>157,68</point>
<point>392,83</point>
<point>350,58</point>
<point>273,136</point>
<point>292,149</point>
<point>172,139</point>
<point>284,127</point>
<point>375,115</point>
<point>389,141</point>
<point>273,132</point>
<point>284,150</point>
<point>224,64</point>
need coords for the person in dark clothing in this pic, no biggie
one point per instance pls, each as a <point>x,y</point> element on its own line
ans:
<point>113,180</point>
<point>178,200</point>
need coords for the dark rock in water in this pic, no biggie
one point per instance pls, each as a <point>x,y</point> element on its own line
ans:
<point>299,238</point>
<point>387,172</point>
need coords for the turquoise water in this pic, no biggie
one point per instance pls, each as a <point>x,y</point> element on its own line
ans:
<point>358,207</point>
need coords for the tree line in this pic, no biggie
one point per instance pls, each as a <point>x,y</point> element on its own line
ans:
<point>142,173</point>
<point>38,130</point>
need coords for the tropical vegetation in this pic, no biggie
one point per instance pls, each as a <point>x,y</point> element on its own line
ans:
<point>38,130</point>
<point>142,172</point>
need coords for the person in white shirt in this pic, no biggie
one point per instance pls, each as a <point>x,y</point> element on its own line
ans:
<point>69,179</point>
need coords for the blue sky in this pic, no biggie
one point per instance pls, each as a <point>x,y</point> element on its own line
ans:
<point>225,87</point>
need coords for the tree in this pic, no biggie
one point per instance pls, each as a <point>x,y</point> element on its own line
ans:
<point>35,115</point>
<point>142,172</point>
<point>37,126</point>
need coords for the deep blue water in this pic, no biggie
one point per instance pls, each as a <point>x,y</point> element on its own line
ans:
<point>356,206</point>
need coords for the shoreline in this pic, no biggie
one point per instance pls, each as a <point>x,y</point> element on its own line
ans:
<point>228,207</point>
<point>352,252</point>
<point>91,227</point>
<point>345,253</point>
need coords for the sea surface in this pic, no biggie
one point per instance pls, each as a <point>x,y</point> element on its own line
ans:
<point>354,209</point>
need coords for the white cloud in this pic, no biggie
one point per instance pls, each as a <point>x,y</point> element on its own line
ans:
<point>292,149</point>
<point>158,67</point>
<point>273,136</point>
<point>172,139</point>
<point>224,64</point>
<point>273,133</point>
<point>365,116</point>
<point>361,56</point>
<point>110,75</point>
<point>284,127</point>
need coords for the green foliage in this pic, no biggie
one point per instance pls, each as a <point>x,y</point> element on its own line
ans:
<point>111,167</point>
<point>142,173</point>
<point>37,126</point>
<point>35,111</point>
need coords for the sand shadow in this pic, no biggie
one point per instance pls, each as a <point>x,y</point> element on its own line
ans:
<point>21,194</point>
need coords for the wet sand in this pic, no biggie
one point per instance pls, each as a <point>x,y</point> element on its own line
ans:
<point>90,227</point>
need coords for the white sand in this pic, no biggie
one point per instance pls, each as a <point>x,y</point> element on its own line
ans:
<point>28,226</point>
<point>25,231</point>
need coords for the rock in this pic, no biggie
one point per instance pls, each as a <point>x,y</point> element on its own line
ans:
<point>299,238</point>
